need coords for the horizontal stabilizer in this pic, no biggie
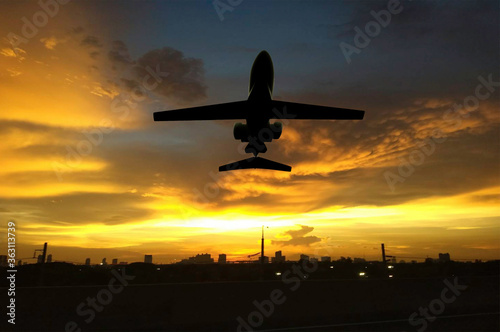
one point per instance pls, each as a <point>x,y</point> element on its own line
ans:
<point>255,162</point>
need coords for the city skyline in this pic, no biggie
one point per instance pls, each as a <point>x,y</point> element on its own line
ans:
<point>85,168</point>
<point>247,258</point>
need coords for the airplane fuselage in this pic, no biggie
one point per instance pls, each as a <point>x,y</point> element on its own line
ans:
<point>260,92</point>
<point>261,84</point>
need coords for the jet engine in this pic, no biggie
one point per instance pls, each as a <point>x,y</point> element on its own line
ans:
<point>270,132</point>
<point>240,132</point>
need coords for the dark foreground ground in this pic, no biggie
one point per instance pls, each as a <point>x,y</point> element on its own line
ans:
<point>315,305</point>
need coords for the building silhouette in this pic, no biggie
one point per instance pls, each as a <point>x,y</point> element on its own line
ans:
<point>444,258</point>
<point>198,259</point>
<point>304,257</point>
<point>278,257</point>
<point>104,261</point>
<point>115,261</point>
<point>49,258</point>
<point>148,259</point>
<point>87,261</point>
<point>326,259</point>
<point>264,259</point>
<point>222,259</point>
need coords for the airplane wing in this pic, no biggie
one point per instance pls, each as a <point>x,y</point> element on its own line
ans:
<point>228,111</point>
<point>288,110</point>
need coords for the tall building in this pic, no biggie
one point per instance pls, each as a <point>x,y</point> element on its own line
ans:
<point>104,261</point>
<point>444,258</point>
<point>40,259</point>
<point>49,258</point>
<point>203,258</point>
<point>198,259</point>
<point>304,257</point>
<point>115,261</point>
<point>278,257</point>
<point>87,261</point>
<point>148,259</point>
<point>222,259</point>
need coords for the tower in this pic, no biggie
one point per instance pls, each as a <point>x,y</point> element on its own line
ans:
<point>383,254</point>
<point>262,246</point>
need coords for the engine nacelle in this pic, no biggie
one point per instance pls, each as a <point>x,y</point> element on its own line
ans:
<point>240,132</point>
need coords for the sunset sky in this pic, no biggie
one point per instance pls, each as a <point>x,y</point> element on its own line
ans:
<point>85,168</point>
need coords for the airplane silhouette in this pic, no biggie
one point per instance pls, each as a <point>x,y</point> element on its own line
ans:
<point>257,110</point>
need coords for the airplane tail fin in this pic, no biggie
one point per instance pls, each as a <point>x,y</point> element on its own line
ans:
<point>255,162</point>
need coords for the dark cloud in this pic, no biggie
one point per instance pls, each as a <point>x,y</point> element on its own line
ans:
<point>132,86</point>
<point>179,77</point>
<point>91,41</point>
<point>298,237</point>
<point>119,54</point>
<point>164,72</point>
<point>77,30</point>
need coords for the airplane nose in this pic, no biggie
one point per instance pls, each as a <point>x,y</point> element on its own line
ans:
<point>264,55</point>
